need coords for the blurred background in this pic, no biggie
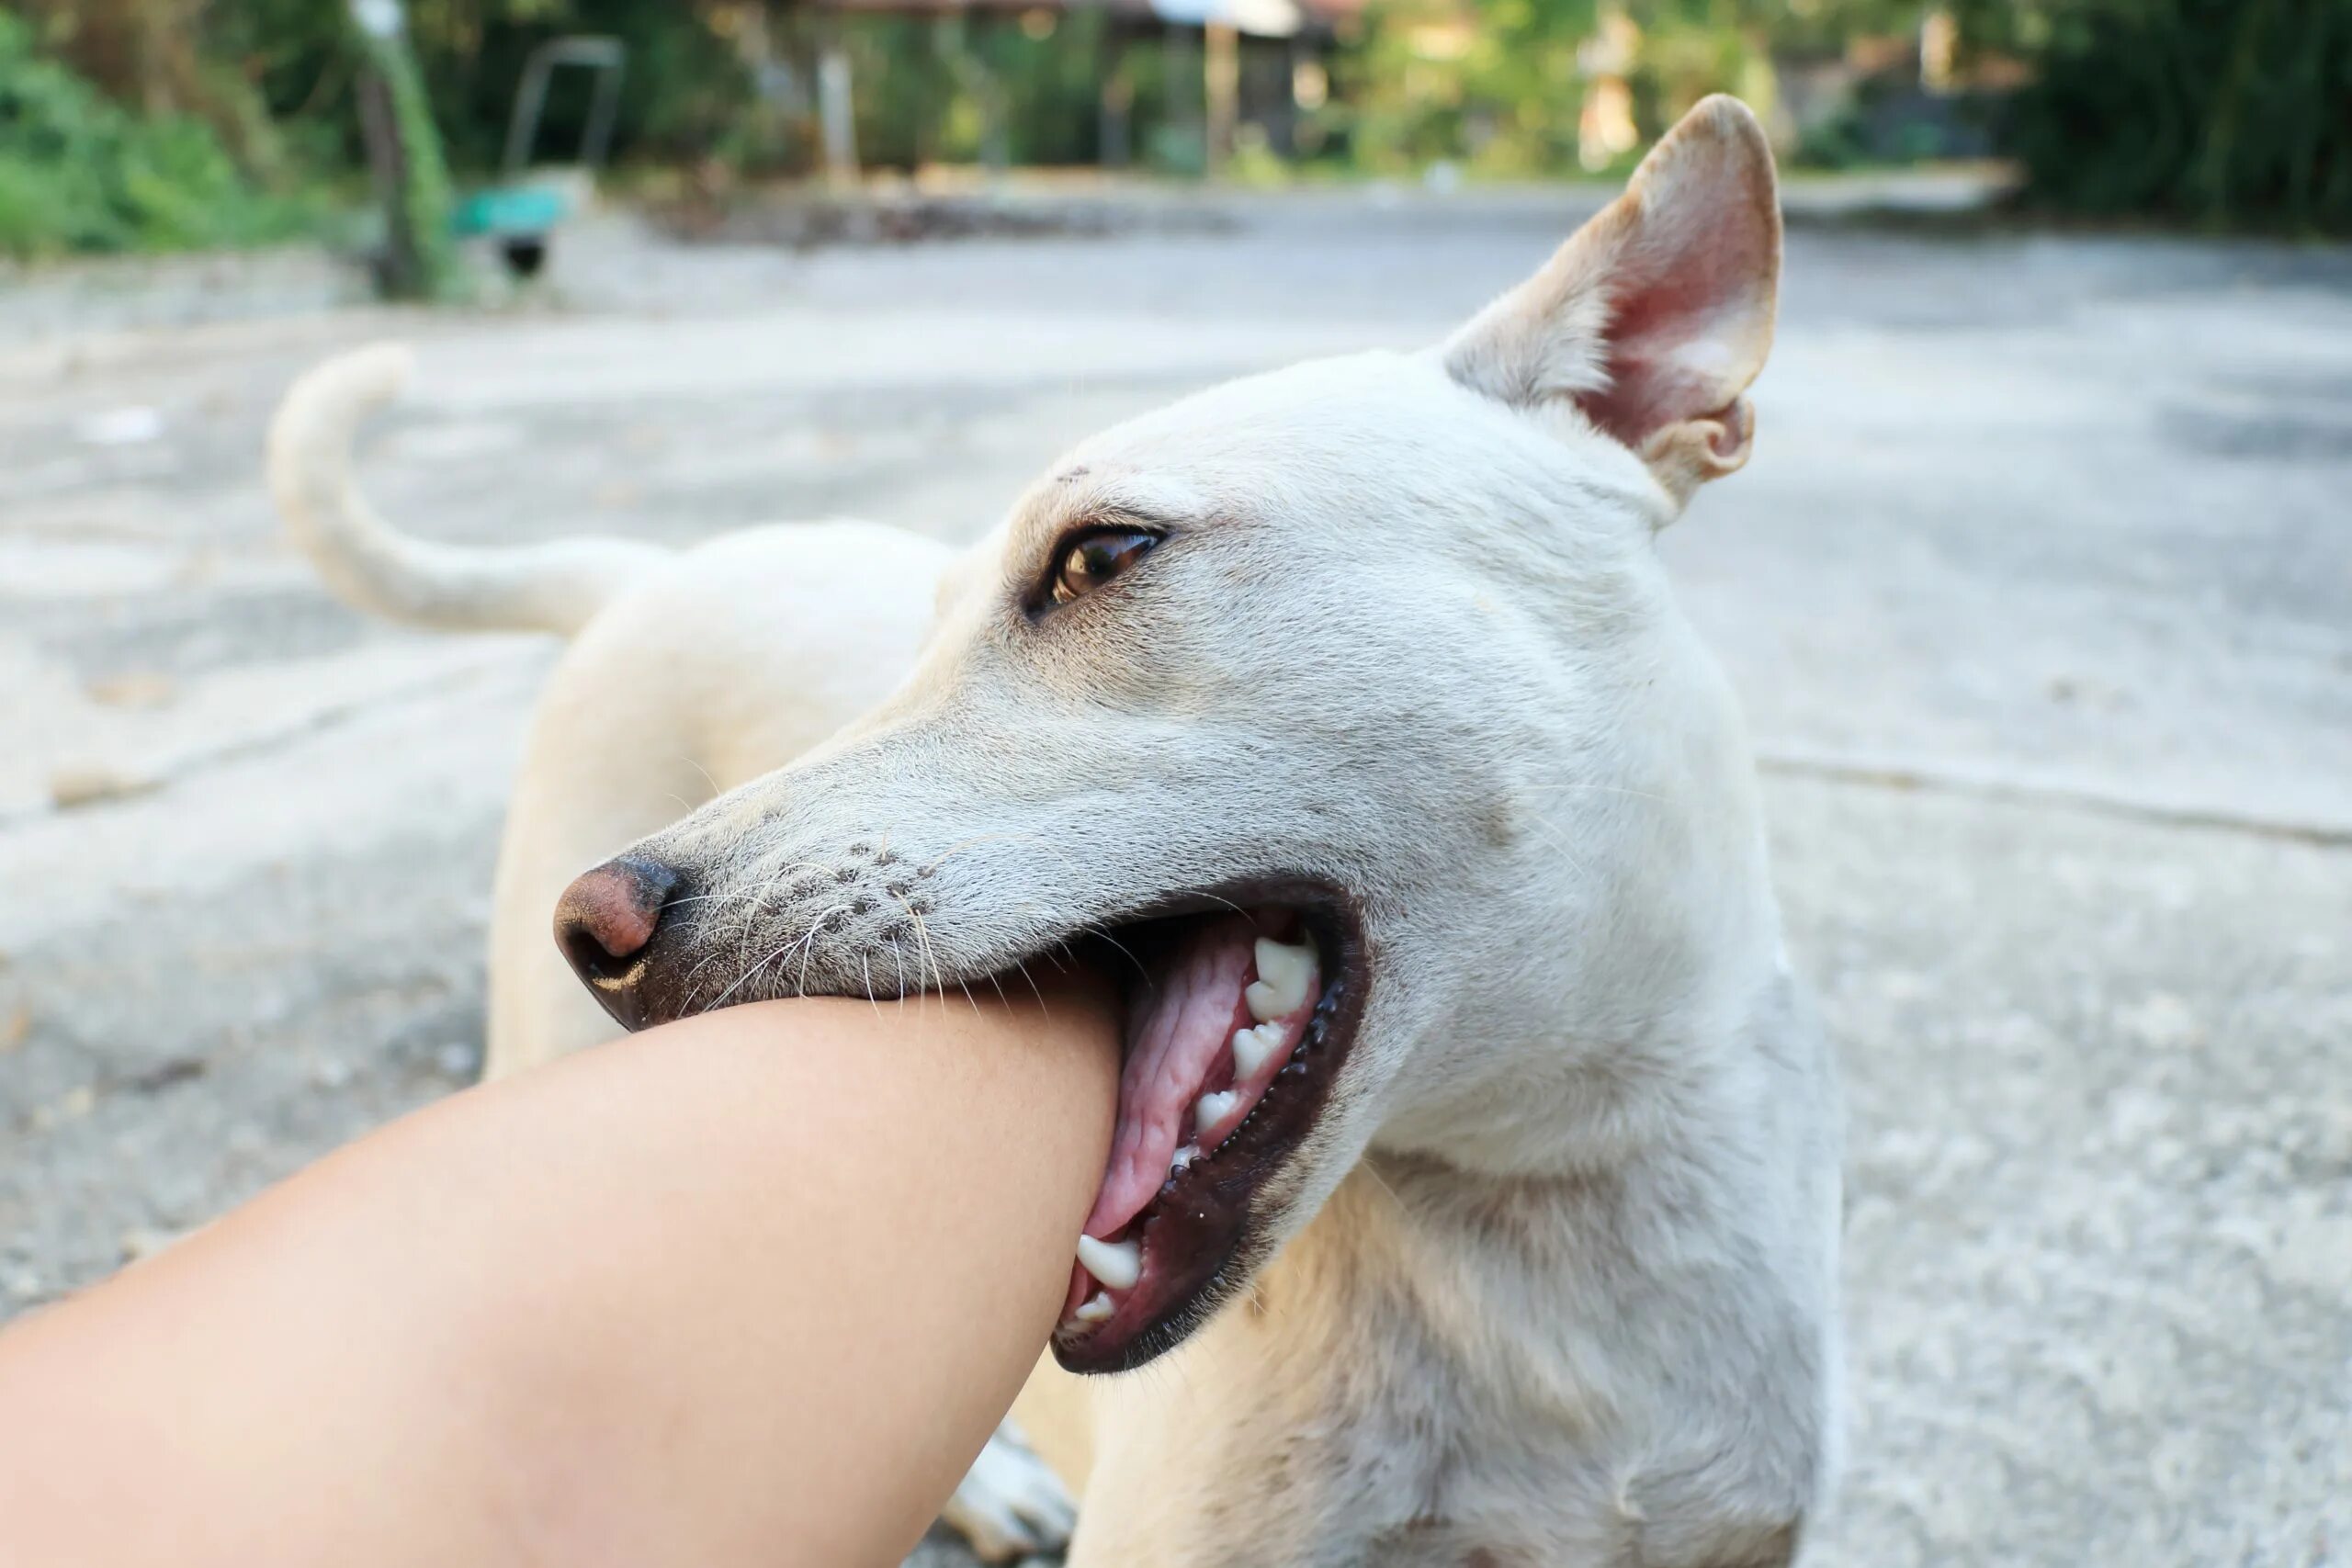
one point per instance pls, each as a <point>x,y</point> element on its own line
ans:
<point>146,124</point>
<point>2039,591</point>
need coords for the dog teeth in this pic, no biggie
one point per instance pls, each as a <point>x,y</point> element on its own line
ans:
<point>1213,1109</point>
<point>1183,1158</point>
<point>1252,1046</point>
<point>1094,1309</point>
<point>1281,985</point>
<point>1118,1264</point>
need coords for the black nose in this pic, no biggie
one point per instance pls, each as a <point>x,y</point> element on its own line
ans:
<point>604,922</point>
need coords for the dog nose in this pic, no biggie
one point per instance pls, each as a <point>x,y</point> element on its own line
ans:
<point>606,918</point>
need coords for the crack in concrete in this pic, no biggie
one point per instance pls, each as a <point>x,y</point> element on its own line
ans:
<point>262,742</point>
<point>1895,774</point>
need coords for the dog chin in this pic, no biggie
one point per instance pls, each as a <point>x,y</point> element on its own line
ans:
<point>1241,1007</point>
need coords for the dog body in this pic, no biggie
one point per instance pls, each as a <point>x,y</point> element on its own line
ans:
<point>1521,1251</point>
<point>724,664</point>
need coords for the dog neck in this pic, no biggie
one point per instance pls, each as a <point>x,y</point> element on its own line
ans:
<point>1702,1213</point>
<point>1564,1316</point>
<point>1625,982</point>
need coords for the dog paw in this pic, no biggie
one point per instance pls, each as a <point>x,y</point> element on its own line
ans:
<point>1008,1505</point>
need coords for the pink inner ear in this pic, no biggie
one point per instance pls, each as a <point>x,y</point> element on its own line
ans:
<point>1658,311</point>
<point>1683,308</point>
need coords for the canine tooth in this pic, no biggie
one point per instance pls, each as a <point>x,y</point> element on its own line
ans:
<point>1118,1264</point>
<point>1213,1109</point>
<point>1252,1046</point>
<point>1094,1309</point>
<point>1281,984</point>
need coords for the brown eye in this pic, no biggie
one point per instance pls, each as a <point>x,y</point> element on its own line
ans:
<point>1095,559</point>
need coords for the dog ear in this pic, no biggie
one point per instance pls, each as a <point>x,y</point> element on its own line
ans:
<point>1655,316</point>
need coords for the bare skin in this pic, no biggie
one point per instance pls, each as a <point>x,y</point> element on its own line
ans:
<point>749,1289</point>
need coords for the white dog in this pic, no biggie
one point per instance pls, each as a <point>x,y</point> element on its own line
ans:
<point>1477,1161</point>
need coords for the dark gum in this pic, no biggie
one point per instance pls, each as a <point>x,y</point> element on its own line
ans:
<point>1196,1228</point>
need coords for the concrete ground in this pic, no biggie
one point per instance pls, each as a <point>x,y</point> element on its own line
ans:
<point>2039,590</point>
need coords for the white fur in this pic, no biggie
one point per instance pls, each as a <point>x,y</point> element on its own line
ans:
<point>687,672</point>
<point>1553,1280</point>
<point>1011,1504</point>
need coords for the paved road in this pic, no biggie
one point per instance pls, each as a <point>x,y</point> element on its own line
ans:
<point>2039,592</point>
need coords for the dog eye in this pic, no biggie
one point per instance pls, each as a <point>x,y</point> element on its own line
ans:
<point>1095,559</point>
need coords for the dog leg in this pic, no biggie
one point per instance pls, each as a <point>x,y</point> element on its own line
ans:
<point>1011,1505</point>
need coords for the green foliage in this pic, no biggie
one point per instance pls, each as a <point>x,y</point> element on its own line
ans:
<point>78,173</point>
<point>2208,111</point>
<point>1424,86</point>
<point>684,90</point>
<point>951,90</point>
<point>2212,112</point>
<point>1505,84</point>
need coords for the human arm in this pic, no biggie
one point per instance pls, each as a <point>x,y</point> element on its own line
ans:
<point>752,1288</point>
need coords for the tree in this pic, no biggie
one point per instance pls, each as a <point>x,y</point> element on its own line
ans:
<point>404,154</point>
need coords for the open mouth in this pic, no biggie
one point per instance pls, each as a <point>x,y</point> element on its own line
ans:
<point>1242,1004</point>
<point>1237,1023</point>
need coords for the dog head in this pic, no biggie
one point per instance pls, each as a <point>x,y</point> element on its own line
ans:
<point>1341,711</point>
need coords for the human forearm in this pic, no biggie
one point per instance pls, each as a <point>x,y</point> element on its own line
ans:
<point>676,1300</point>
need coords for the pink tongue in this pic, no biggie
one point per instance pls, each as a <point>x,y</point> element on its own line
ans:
<point>1181,1039</point>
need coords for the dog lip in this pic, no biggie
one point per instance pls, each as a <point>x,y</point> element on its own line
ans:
<point>623,998</point>
<point>1328,909</point>
<point>1203,1234</point>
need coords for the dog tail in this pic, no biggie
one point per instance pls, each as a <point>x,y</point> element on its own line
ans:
<point>553,587</point>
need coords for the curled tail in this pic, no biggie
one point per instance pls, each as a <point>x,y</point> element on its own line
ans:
<point>553,587</point>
